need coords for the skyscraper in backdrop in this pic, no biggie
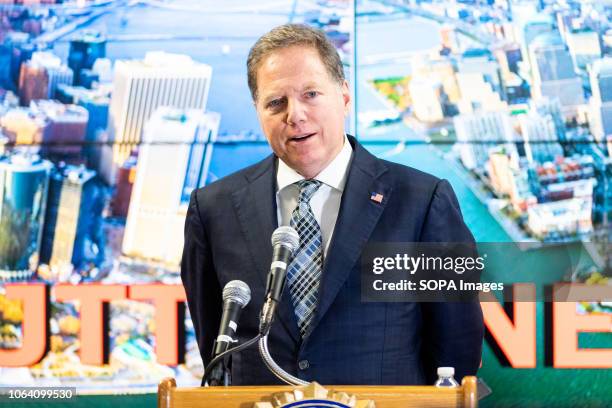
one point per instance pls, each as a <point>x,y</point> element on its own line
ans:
<point>173,160</point>
<point>72,233</point>
<point>40,76</point>
<point>141,86</point>
<point>65,137</point>
<point>553,73</point>
<point>540,138</point>
<point>478,133</point>
<point>531,26</point>
<point>23,195</point>
<point>584,46</point>
<point>84,50</point>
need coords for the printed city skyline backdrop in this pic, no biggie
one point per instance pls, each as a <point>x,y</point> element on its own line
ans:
<point>113,112</point>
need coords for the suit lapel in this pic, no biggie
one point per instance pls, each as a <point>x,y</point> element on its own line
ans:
<point>357,218</point>
<point>255,205</point>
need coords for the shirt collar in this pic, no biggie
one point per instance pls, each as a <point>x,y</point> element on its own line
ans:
<point>334,175</point>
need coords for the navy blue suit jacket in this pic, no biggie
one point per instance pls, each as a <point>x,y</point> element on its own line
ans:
<point>227,236</point>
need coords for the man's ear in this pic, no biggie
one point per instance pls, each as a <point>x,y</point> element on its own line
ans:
<point>346,97</point>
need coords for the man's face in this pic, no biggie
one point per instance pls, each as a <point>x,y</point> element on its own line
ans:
<point>301,109</point>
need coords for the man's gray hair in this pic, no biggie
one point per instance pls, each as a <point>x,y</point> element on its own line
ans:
<point>288,35</point>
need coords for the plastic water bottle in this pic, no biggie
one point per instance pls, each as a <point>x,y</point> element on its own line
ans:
<point>445,377</point>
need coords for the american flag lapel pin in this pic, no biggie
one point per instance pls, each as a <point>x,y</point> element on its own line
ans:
<point>376,197</point>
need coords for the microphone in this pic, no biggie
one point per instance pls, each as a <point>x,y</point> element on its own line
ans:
<point>236,295</point>
<point>285,240</point>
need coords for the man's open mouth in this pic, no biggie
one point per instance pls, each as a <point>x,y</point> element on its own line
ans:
<point>302,138</point>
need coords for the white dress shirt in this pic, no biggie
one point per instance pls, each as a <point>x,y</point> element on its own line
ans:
<point>325,202</point>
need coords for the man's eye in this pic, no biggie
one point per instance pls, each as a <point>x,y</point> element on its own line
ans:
<point>275,103</point>
<point>311,94</point>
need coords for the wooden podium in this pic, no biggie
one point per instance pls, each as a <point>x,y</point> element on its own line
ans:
<point>169,396</point>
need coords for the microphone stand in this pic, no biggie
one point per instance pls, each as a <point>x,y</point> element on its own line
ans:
<point>212,366</point>
<point>220,374</point>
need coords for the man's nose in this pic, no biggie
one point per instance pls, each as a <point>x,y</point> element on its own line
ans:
<point>296,112</point>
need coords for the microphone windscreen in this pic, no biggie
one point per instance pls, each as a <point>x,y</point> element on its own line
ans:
<point>237,291</point>
<point>286,236</point>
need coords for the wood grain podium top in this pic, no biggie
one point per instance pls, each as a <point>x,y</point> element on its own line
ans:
<point>169,396</point>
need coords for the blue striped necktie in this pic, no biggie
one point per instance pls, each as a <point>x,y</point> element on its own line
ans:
<point>304,273</point>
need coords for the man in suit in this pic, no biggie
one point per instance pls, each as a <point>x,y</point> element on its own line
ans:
<point>339,197</point>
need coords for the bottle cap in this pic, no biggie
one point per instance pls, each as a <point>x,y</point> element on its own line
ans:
<point>446,371</point>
